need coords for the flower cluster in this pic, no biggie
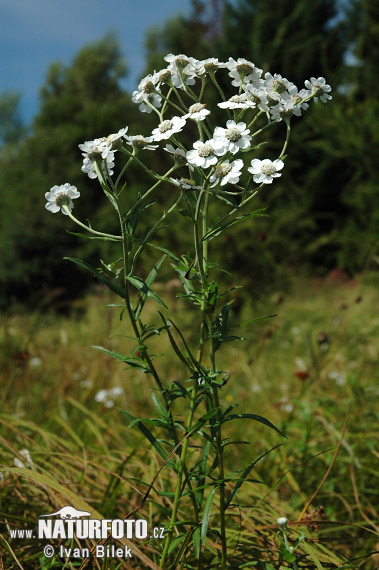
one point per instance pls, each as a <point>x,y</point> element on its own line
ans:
<point>212,160</point>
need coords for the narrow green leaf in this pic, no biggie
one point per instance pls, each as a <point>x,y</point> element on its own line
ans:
<point>206,514</point>
<point>103,238</point>
<point>257,319</point>
<point>244,475</point>
<point>309,549</point>
<point>133,362</point>
<point>147,433</point>
<point>196,542</point>
<point>96,273</point>
<point>256,418</point>
<point>215,229</point>
<point>149,281</point>
<point>141,285</point>
<point>176,348</point>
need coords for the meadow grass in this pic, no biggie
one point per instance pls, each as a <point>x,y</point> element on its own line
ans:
<point>311,370</point>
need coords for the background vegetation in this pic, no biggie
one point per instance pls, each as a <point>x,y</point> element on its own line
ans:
<point>309,370</point>
<point>323,213</point>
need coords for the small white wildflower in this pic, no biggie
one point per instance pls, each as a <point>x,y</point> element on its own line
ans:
<point>96,151</point>
<point>140,142</point>
<point>197,112</point>
<point>147,95</point>
<point>167,128</point>
<point>115,391</point>
<point>284,111</point>
<point>205,154</point>
<point>181,66</point>
<point>235,137</point>
<point>265,170</point>
<point>243,71</point>
<point>282,521</point>
<point>237,102</point>
<point>319,88</point>
<point>101,396</point>
<point>60,196</point>
<point>35,361</point>
<point>179,154</point>
<point>277,84</point>
<point>18,463</point>
<point>256,97</point>
<point>227,173</point>
<point>185,183</point>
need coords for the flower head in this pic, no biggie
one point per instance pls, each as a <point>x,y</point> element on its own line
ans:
<point>167,128</point>
<point>98,151</point>
<point>140,142</point>
<point>197,112</point>
<point>28,460</point>
<point>60,196</point>
<point>282,521</point>
<point>265,170</point>
<point>227,172</point>
<point>319,89</point>
<point>235,137</point>
<point>205,154</point>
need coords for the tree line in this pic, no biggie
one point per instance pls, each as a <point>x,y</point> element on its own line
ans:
<point>322,214</point>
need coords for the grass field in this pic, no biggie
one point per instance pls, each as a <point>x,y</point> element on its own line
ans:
<point>312,370</point>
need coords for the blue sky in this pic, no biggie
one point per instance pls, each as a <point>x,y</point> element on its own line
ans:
<point>33,33</point>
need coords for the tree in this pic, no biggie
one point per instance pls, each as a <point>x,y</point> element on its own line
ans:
<point>78,102</point>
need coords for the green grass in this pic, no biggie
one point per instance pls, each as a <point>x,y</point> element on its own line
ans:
<point>310,370</point>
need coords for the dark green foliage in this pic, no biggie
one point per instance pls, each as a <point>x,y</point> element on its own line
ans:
<point>323,212</point>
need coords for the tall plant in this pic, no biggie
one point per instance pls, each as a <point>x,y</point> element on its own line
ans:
<point>209,163</point>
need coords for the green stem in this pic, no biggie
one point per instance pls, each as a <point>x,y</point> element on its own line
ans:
<point>101,234</point>
<point>181,470</point>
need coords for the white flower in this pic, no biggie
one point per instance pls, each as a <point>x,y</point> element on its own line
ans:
<point>265,170</point>
<point>284,110</point>
<point>235,137</point>
<point>185,183</point>
<point>197,112</point>
<point>319,88</point>
<point>18,463</point>
<point>205,154</point>
<point>96,151</point>
<point>180,65</point>
<point>226,173</point>
<point>211,64</point>
<point>237,102</point>
<point>277,84</point>
<point>146,95</point>
<point>60,196</point>
<point>282,521</point>
<point>141,142</point>
<point>179,154</point>
<point>167,128</point>
<point>112,141</point>
<point>256,97</point>
<point>101,396</point>
<point>115,391</point>
<point>243,71</point>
